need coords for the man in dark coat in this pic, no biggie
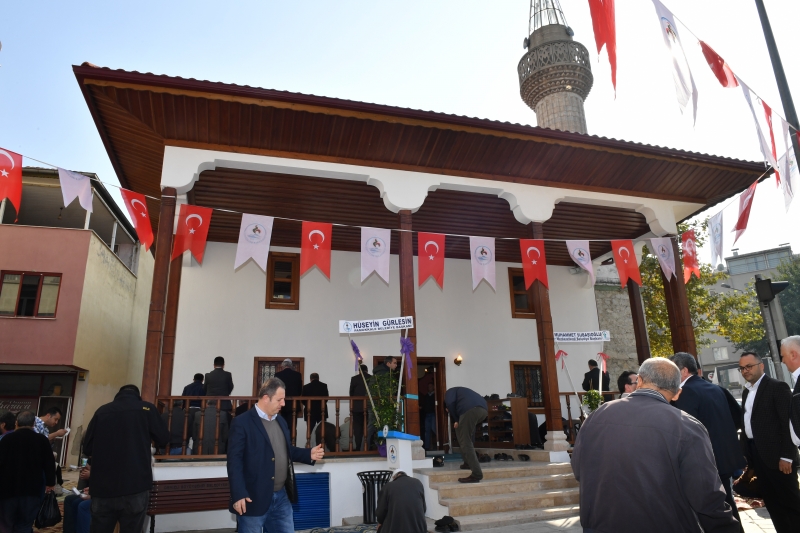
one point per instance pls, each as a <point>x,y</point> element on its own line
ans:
<point>118,441</point>
<point>790,355</point>
<point>259,455</point>
<point>359,388</point>
<point>315,388</point>
<point>389,365</point>
<point>219,383</point>
<point>591,380</point>
<point>670,481</point>
<point>468,409</point>
<point>27,466</point>
<point>707,403</point>
<point>767,442</point>
<point>196,388</point>
<point>293,383</point>
<point>401,506</point>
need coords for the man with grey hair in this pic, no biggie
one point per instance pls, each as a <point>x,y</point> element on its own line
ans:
<point>260,455</point>
<point>293,384</point>
<point>671,482</point>
<point>790,355</point>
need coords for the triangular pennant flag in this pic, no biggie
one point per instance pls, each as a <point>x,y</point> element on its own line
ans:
<point>625,260</point>
<point>315,247</point>
<point>255,233</point>
<point>685,88</point>
<point>745,203</point>
<point>719,67</point>
<point>691,265</point>
<point>192,232</point>
<point>430,257</point>
<point>715,230</point>
<point>11,178</point>
<point>136,204</point>
<point>605,32</point>
<point>662,249</point>
<point>482,256</point>
<point>762,141</point>
<point>774,152</point>
<point>788,166</point>
<point>75,185</point>
<point>579,252</point>
<point>375,252</point>
<point>534,263</point>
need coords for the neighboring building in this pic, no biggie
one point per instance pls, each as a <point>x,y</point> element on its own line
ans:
<point>722,357</point>
<point>74,296</point>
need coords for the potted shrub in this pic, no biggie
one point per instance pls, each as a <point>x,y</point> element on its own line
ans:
<point>592,400</point>
<point>383,388</point>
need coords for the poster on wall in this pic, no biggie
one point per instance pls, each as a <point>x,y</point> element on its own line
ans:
<point>378,324</point>
<point>582,336</point>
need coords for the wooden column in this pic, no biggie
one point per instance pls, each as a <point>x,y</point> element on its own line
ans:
<point>680,320</point>
<point>158,295</point>
<point>639,323</point>
<point>547,352</point>
<point>407,308</point>
<point>170,325</point>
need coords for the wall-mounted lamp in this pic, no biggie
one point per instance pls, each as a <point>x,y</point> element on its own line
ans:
<point>458,360</point>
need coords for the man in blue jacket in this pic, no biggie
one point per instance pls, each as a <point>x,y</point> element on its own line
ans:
<point>259,455</point>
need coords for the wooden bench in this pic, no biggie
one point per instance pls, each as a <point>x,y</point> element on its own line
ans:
<point>186,496</point>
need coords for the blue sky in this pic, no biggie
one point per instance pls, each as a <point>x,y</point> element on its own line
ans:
<point>454,57</point>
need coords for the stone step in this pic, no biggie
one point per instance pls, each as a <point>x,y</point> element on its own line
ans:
<point>496,520</point>
<point>500,503</point>
<point>451,472</point>
<point>453,490</point>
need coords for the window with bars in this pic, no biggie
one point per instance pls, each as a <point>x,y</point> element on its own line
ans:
<point>521,298</point>
<point>29,294</point>
<point>526,381</point>
<point>283,281</point>
<point>267,367</point>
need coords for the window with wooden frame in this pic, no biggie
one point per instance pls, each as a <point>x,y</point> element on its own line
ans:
<point>526,380</point>
<point>29,294</point>
<point>266,367</point>
<point>521,298</point>
<point>283,281</point>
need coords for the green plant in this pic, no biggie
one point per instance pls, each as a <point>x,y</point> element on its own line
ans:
<point>383,388</point>
<point>592,399</point>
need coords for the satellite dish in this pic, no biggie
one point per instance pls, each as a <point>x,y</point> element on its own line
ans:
<point>525,43</point>
<point>570,32</point>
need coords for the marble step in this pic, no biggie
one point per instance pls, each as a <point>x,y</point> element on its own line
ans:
<point>528,516</point>
<point>509,470</point>
<point>453,490</point>
<point>519,501</point>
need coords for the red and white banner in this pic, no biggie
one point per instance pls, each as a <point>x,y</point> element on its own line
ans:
<point>315,247</point>
<point>715,232</point>
<point>375,252</point>
<point>136,204</point>
<point>579,252</point>
<point>11,178</point>
<point>75,185</point>
<point>605,32</point>
<point>255,234</point>
<point>430,257</point>
<point>482,258</point>
<point>192,232</point>
<point>774,153</point>
<point>745,203</point>
<point>766,150</point>
<point>534,263</point>
<point>685,89</point>
<point>691,265</point>
<point>662,248</point>
<point>625,260</point>
<point>719,67</point>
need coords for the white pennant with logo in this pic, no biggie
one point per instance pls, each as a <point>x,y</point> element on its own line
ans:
<point>482,257</point>
<point>75,185</point>
<point>255,234</point>
<point>662,248</point>
<point>579,252</point>
<point>715,229</point>
<point>375,252</point>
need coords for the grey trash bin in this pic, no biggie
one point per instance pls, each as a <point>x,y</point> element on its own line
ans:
<point>371,484</point>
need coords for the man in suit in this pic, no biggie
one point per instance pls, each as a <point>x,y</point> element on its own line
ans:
<point>767,443</point>
<point>219,383</point>
<point>591,380</point>
<point>790,355</point>
<point>293,384</point>
<point>358,387</point>
<point>196,388</point>
<point>707,403</point>
<point>260,454</point>
<point>315,388</point>
<point>645,466</point>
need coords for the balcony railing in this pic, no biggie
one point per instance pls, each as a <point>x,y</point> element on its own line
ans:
<point>200,411</point>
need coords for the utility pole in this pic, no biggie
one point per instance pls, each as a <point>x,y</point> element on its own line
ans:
<point>780,75</point>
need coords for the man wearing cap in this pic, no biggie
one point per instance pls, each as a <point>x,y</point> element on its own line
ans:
<point>294,388</point>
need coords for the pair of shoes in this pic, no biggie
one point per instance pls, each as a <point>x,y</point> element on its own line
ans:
<point>524,457</point>
<point>438,462</point>
<point>464,466</point>
<point>503,457</point>
<point>469,479</point>
<point>484,458</point>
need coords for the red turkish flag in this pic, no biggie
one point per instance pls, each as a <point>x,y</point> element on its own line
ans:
<point>315,248</point>
<point>719,67</point>
<point>625,260</point>
<point>534,263</point>
<point>11,178</point>
<point>768,114</point>
<point>430,257</point>
<point>690,262</point>
<point>605,32</point>
<point>193,224</point>
<point>137,208</point>
<point>745,203</point>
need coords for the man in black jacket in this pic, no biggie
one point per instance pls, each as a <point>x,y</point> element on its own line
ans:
<point>358,387</point>
<point>219,383</point>
<point>767,443</point>
<point>315,388</point>
<point>118,441</point>
<point>196,388</point>
<point>26,462</point>
<point>591,380</point>
<point>707,403</point>
<point>790,355</point>
<point>294,387</point>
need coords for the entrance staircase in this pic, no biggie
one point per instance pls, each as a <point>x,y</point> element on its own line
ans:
<point>511,492</point>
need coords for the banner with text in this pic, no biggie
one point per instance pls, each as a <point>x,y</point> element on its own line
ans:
<point>582,336</point>
<point>378,324</point>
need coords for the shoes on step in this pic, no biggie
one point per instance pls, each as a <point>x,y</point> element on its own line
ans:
<point>446,520</point>
<point>524,457</point>
<point>438,462</point>
<point>469,479</point>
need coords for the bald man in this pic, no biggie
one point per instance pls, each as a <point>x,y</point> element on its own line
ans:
<point>790,355</point>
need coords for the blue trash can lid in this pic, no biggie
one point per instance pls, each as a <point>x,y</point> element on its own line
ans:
<point>398,435</point>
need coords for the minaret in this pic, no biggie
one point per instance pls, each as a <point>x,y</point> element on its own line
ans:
<point>554,75</point>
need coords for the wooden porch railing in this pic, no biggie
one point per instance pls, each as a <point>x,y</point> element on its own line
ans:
<point>181,404</point>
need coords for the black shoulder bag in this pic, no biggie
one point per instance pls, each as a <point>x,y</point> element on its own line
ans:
<point>291,484</point>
